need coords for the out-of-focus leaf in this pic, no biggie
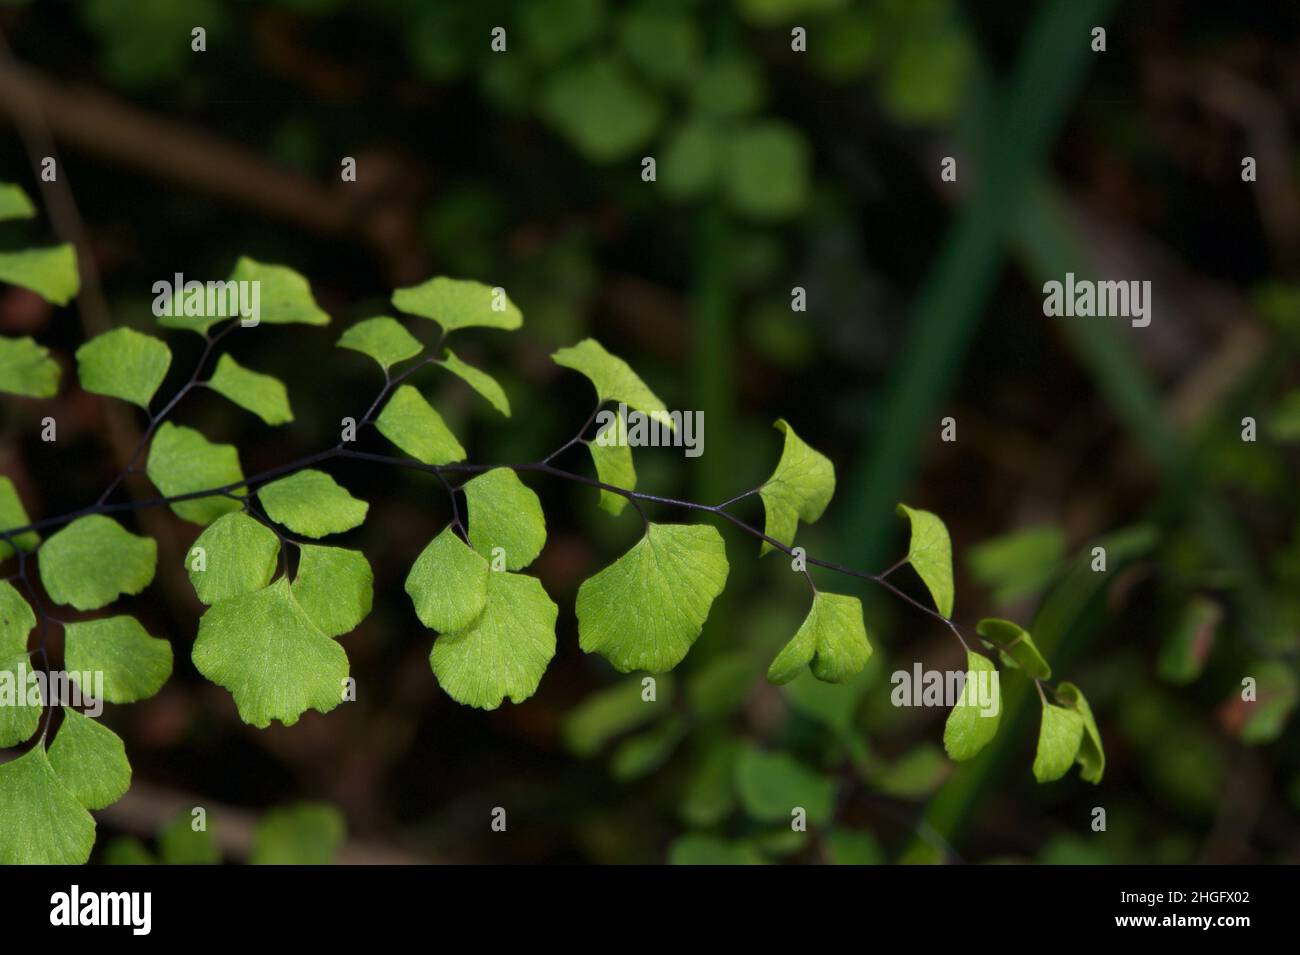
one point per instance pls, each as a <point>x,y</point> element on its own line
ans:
<point>1187,646</point>
<point>1017,565</point>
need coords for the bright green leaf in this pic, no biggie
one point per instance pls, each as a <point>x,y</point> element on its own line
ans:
<point>311,503</point>
<point>264,395</point>
<point>271,656</point>
<point>20,708</point>
<point>504,512</point>
<point>182,461</point>
<point>413,425</point>
<point>480,381</point>
<point>16,621</point>
<point>645,610</point>
<point>135,665</point>
<point>234,555</point>
<point>335,587</point>
<point>305,834</point>
<point>930,554</point>
<point>26,368</point>
<point>93,561</point>
<point>459,303</point>
<point>505,651</point>
<point>41,822</point>
<point>1091,757</point>
<point>974,720</point>
<point>50,273</point>
<point>284,295</point>
<point>772,785</point>
<point>612,455</point>
<point>14,203</point>
<point>124,364</point>
<point>448,583</point>
<point>90,760</point>
<point>13,515</point>
<point>799,489</point>
<point>832,640</point>
<point>1059,735</point>
<point>384,339</point>
<point>1016,648</point>
<point>613,378</point>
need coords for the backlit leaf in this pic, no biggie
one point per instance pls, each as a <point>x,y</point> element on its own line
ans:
<point>20,717</point>
<point>413,425</point>
<point>798,490</point>
<point>1015,646</point>
<point>505,651</point>
<point>480,381</point>
<point>239,555</point>
<point>124,364</point>
<point>50,273</point>
<point>135,665</point>
<point>271,656</point>
<point>973,721</point>
<point>930,554</point>
<point>504,512</point>
<point>612,456</point>
<point>448,583</point>
<point>645,610</point>
<point>14,203</point>
<point>16,620</point>
<point>182,461</point>
<point>832,640</point>
<point>284,295</point>
<point>1091,757</point>
<point>311,503</point>
<point>93,561</point>
<point>26,368</point>
<point>41,822</point>
<point>1059,735</point>
<point>384,339</point>
<point>459,303</point>
<point>13,515</point>
<point>612,377</point>
<point>90,760</point>
<point>335,586</point>
<point>264,395</point>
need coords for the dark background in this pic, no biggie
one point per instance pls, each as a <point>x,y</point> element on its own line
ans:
<point>924,301</point>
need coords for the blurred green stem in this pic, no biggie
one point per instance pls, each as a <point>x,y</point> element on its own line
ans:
<point>711,306</point>
<point>1049,73</point>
